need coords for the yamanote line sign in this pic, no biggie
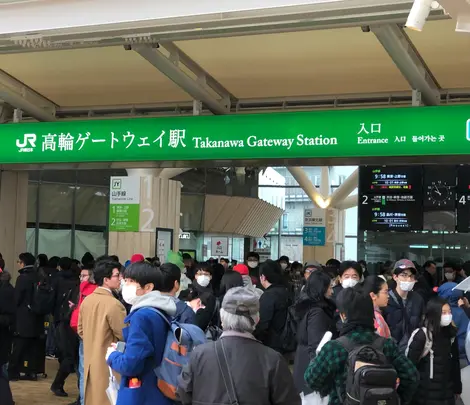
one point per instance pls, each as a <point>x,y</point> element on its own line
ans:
<point>423,131</point>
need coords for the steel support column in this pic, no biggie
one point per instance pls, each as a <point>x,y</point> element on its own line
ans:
<point>304,182</point>
<point>348,202</point>
<point>343,191</point>
<point>403,53</point>
<point>22,97</point>
<point>202,87</point>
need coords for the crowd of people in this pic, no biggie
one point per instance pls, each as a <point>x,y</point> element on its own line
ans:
<point>268,333</point>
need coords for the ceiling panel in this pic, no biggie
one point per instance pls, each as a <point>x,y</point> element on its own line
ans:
<point>300,63</point>
<point>99,76</point>
<point>446,52</point>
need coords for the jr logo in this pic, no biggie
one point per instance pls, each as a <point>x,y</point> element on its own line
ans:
<point>468,130</point>
<point>27,139</point>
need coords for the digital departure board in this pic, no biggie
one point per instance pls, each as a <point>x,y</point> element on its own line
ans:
<point>390,179</point>
<point>463,179</point>
<point>390,212</point>
<point>463,213</point>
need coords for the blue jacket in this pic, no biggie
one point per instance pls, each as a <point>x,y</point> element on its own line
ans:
<point>145,339</point>
<point>459,317</point>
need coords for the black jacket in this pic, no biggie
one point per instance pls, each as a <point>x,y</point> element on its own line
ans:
<point>7,317</point>
<point>425,285</point>
<point>446,381</point>
<point>260,375</point>
<point>314,320</point>
<point>67,285</point>
<point>28,324</point>
<point>401,318</point>
<point>273,306</point>
<point>205,315</point>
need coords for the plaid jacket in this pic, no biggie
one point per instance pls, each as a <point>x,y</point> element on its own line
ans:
<point>327,373</point>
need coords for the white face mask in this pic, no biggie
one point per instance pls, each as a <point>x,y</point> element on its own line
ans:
<point>283,266</point>
<point>446,320</point>
<point>203,280</point>
<point>449,276</point>
<point>252,265</point>
<point>129,293</point>
<point>407,285</point>
<point>349,283</point>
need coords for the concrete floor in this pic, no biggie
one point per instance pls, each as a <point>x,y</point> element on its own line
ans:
<point>38,393</point>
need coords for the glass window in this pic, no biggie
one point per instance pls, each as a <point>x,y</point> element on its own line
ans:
<point>55,219</point>
<point>93,242</point>
<point>350,248</point>
<point>192,210</point>
<point>91,206</point>
<point>285,224</point>
<point>350,221</point>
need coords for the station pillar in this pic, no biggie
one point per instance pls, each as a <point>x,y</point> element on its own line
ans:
<point>334,239</point>
<point>13,217</point>
<point>160,203</point>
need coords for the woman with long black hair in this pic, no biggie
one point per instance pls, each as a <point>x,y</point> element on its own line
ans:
<point>435,352</point>
<point>315,316</point>
<point>377,289</point>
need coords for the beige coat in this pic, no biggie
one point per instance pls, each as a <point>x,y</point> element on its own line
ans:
<point>100,323</point>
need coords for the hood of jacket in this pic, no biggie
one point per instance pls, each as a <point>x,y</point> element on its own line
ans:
<point>447,292</point>
<point>155,299</point>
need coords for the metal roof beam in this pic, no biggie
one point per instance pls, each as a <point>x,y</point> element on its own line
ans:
<point>403,53</point>
<point>202,87</point>
<point>20,96</point>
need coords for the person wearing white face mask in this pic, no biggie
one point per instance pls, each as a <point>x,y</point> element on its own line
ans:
<point>144,338</point>
<point>434,350</point>
<point>252,261</point>
<point>203,290</point>
<point>405,307</point>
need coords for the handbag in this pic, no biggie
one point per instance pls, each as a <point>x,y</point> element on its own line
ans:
<point>113,388</point>
<point>223,366</point>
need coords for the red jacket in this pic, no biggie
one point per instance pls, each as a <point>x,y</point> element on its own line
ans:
<point>86,288</point>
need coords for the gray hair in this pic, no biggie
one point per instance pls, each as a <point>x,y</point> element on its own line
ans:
<point>238,323</point>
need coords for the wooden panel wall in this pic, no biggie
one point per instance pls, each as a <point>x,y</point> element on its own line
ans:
<point>13,217</point>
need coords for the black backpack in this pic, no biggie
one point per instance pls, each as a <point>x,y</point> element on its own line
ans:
<point>42,302</point>
<point>289,332</point>
<point>68,302</point>
<point>371,379</point>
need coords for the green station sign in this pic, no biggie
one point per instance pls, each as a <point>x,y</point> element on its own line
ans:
<point>423,131</point>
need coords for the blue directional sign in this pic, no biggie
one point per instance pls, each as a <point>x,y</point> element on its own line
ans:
<point>314,236</point>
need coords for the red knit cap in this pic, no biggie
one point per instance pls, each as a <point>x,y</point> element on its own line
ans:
<point>136,258</point>
<point>242,269</point>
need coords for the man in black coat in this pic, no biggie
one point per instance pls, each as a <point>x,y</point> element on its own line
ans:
<point>67,291</point>
<point>273,306</point>
<point>427,281</point>
<point>29,325</point>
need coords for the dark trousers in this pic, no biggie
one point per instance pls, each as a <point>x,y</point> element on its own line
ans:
<point>5,391</point>
<point>51,346</point>
<point>26,356</point>
<point>68,353</point>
